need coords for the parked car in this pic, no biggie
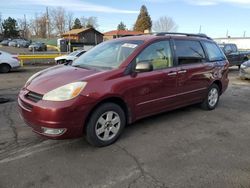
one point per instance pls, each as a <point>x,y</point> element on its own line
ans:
<point>5,42</point>
<point>8,62</point>
<point>21,43</point>
<point>70,57</point>
<point>121,81</point>
<point>234,56</point>
<point>245,70</point>
<point>13,43</point>
<point>37,46</point>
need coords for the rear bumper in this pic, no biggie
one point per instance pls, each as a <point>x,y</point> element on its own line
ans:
<point>68,115</point>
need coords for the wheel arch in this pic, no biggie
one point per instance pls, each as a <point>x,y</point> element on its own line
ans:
<point>219,84</point>
<point>116,100</point>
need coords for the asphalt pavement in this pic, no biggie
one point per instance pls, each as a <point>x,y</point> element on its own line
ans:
<point>187,147</point>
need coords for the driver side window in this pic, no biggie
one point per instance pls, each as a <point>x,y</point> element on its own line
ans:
<point>159,54</point>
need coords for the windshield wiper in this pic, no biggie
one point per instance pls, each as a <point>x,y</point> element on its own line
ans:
<point>83,66</point>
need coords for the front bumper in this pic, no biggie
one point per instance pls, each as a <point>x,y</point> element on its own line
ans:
<point>67,115</point>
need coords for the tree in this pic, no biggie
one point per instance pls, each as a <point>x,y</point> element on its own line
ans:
<point>39,25</point>
<point>89,22</point>
<point>70,20</point>
<point>143,21</point>
<point>121,26</point>
<point>1,26</point>
<point>77,24</point>
<point>164,24</point>
<point>23,27</point>
<point>59,19</point>
<point>10,28</point>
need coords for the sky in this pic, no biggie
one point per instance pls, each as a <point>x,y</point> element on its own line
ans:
<point>216,18</point>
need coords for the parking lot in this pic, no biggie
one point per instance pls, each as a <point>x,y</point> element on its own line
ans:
<point>188,147</point>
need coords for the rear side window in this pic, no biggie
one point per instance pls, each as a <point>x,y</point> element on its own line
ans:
<point>214,52</point>
<point>189,52</point>
<point>234,48</point>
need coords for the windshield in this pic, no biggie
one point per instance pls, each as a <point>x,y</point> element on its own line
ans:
<point>108,54</point>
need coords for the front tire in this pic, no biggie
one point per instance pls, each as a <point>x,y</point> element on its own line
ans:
<point>105,125</point>
<point>212,98</point>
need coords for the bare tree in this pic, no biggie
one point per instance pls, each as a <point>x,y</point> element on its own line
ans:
<point>165,24</point>
<point>88,22</point>
<point>1,27</point>
<point>38,25</point>
<point>70,20</point>
<point>23,27</point>
<point>59,19</point>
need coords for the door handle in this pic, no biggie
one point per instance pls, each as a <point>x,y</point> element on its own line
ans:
<point>172,73</point>
<point>182,71</point>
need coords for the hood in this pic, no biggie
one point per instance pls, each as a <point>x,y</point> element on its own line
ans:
<point>57,76</point>
<point>67,57</point>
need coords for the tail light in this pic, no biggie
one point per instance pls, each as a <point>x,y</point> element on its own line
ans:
<point>16,58</point>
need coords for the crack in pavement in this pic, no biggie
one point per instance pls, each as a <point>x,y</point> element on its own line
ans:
<point>7,113</point>
<point>145,175</point>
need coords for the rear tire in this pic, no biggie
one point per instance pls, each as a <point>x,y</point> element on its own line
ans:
<point>105,125</point>
<point>212,98</point>
<point>4,68</point>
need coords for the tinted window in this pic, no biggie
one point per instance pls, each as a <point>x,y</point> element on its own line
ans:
<point>228,48</point>
<point>234,48</point>
<point>214,52</point>
<point>188,52</point>
<point>159,54</point>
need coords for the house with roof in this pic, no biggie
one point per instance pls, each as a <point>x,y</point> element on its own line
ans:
<point>87,36</point>
<point>120,33</point>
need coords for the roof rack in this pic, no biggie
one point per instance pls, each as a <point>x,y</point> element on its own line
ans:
<point>185,34</point>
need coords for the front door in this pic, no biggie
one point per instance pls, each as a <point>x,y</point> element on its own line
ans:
<point>155,91</point>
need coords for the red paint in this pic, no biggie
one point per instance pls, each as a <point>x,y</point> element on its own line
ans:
<point>144,94</point>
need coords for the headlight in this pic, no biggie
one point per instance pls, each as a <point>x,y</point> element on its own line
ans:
<point>65,92</point>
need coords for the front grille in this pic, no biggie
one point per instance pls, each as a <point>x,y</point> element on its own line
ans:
<point>35,97</point>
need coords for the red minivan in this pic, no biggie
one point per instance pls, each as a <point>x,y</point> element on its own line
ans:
<point>123,80</point>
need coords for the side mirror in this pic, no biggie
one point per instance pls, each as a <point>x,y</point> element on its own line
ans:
<point>144,66</point>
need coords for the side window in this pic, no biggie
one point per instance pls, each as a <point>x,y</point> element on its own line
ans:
<point>228,48</point>
<point>214,52</point>
<point>159,54</point>
<point>189,52</point>
<point>234,48</point>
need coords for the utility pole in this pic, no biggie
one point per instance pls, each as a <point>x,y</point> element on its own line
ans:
<point>200,29</point>
<point>244,35</point>
<point>227,34</point>
<point>25,33</point>
<point>47,21</point>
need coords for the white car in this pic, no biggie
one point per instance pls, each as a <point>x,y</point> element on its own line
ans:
<point>70,57</point>
<point>8,62</point>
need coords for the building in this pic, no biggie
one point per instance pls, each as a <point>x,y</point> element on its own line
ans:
<point>88,36</point>
<point>242,43</point>
<point>120,33</point>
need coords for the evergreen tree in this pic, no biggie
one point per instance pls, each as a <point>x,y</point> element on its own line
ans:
<point>77,24</point>
<point>121,26</point>
<point>143,21</point>
<point>10,28</point>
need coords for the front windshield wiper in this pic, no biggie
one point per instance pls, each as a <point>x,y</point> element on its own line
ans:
<point>82,66</point>
<point>92,67</point>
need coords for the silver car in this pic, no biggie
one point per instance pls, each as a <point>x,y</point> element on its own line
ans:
<point>245,70</point>
<point>8,62</point>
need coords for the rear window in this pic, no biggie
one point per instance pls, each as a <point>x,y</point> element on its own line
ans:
<point>189,52</point>
<point>214,52</point>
